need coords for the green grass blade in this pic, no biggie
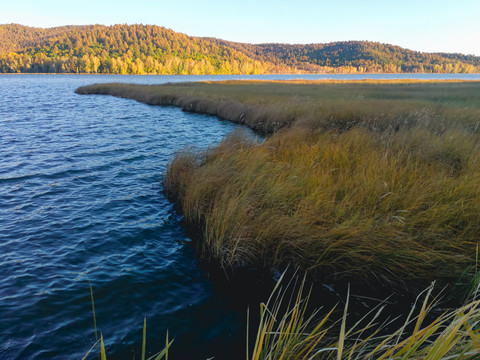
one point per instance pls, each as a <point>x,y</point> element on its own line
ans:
<point>93,311</point>
<point>164,353</point>
<point>341,338</point>
<point>144,341</point>
<point>103,355</point>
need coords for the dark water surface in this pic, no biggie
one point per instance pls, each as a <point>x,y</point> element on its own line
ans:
<point>81,202</point>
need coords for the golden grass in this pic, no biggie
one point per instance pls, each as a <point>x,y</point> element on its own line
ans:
<point>292,334</point>
<point>288,329</point>
<point>268,106</point>
<point>374,181</point>
<point>351,205</point>
<point>367,181</point>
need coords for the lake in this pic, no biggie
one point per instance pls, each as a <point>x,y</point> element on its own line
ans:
<point>81,203</point>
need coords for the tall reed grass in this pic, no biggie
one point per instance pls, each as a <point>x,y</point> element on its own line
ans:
<point>368,182</point>
<point>268,106</point>
<point>288,329</point>
<point>400,209</point>
<point>374,181</point>
<point>291,332</point>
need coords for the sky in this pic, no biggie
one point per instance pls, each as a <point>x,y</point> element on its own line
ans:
<point>422,25</point>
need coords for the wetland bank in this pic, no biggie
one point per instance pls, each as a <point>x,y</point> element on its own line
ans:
<point>373,183</point>
<point>373,180</point>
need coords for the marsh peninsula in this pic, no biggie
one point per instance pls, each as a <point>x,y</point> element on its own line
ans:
<point>374,182</point>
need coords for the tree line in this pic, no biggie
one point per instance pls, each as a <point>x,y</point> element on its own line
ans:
<point>120,49</point>
<point>357,57</point>
<point>149,49</point>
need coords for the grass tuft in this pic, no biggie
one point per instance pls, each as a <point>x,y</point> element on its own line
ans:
<point>354,205</point>
<point>295,333</point>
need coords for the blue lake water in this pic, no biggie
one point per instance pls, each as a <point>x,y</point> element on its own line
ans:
<point>81,203</point>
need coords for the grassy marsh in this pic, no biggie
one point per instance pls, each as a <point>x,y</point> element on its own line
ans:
<point>268,106</point>
<point>367,182</point>
<point>370,181</point>
<point>348,206</point>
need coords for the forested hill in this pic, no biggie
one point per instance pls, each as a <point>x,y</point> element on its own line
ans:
<point>148,49</point>
<point>119,49</point>
<point>357,56</point>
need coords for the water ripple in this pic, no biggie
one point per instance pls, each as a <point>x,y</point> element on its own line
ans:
<point>80,203</point>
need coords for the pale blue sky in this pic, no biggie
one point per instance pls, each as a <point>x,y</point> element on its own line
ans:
<point>424,25</point>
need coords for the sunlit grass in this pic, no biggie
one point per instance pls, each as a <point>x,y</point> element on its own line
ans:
<point>368,182</point>
<point>268,106</point>
<point>291,332</point>
<point>402,208</point>
<point>289,328</point>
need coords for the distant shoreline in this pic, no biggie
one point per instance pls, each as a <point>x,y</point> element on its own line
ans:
<point>149,49</point>
<point>272,74</point>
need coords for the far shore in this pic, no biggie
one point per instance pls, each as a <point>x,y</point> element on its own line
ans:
<point>266,74</point>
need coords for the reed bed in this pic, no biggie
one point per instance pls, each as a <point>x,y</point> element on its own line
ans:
<point>268,106</point>
<point>287,331</point>
<point>382,189</point>
<point>402,210</point>
<point>369,181</point>
<point>373,183</point>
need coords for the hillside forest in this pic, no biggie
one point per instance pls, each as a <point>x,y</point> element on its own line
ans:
<point>149,49</point>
